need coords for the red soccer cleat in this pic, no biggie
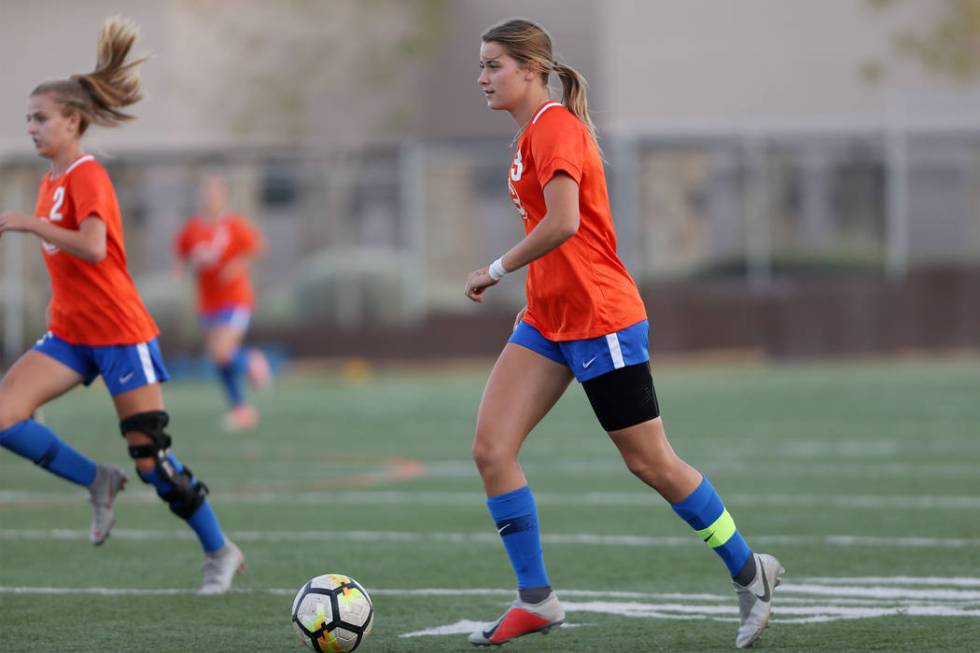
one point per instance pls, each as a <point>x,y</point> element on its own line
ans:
<point>522,619</point>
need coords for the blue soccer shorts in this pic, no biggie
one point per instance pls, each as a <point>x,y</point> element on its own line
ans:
<point>122,367</point>
<point>233,315</point>
<point>588,359</point>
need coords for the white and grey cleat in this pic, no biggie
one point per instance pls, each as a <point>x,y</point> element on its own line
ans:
<point>755,599</point>
<point>109,481</point>
<point>220,568</point>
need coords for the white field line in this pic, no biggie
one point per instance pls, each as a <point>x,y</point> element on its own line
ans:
<point>946,581</point>
<point>732,462</point>
<point>437,592</point>
<point>874,596</point>
<point>781,614</point>
<point>584,539</point>
<point>878,592</point>
<point>651,499</point>
<point>731,611</point>
<point>462,627</point>
<point>740,461</point>
<point>804,615</point>
<point>819,608</point>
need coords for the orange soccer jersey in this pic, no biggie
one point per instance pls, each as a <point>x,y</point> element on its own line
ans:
<point>581,289</point>
<point>210,246</point>
<point>91,303</point>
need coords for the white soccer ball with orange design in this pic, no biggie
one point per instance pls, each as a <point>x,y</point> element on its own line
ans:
<point>333,613</point>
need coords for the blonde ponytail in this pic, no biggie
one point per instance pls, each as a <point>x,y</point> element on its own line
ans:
<point>100,96</point>
<point>574,95</point>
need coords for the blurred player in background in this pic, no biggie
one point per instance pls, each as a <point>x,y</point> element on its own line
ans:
<point>98,324</point>
<point>584,319</point>
<point>220,246</point>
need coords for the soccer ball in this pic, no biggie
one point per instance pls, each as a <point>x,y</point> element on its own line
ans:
<point>332,613</point>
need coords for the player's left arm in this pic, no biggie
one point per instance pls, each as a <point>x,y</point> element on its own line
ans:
<point>560,223</point>
<point>88,242</point>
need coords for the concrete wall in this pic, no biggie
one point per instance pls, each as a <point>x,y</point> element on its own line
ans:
<point>312,73</point>
<point>42,40</point>
<point>756,62</point>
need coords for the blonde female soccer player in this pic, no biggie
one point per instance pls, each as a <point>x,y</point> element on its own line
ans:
<point>584,319</point>
<point>98,324</point>
<point>220,246</point>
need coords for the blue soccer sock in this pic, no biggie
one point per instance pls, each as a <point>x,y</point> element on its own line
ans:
<point>203,522</point>
<point>706,514</point>
<point>516,517</point>
<point>233,377</point>
<point>38,443</point>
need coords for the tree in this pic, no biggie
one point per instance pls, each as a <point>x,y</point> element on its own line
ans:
<point>306,72</point>
<point>949,46</point>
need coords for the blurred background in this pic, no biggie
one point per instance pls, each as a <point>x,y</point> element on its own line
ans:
<point>789,179</point>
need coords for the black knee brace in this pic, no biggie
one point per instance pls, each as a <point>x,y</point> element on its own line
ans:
<point>150,424</point>
<point>181,490</point>
<point>623,397</point>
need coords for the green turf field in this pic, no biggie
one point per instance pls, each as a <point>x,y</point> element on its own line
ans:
<point>863,478</point>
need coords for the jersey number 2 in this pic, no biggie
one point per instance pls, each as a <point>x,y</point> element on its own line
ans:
<point>55,215</point>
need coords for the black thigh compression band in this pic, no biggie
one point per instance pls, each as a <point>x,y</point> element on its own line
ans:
<point>623,397</point>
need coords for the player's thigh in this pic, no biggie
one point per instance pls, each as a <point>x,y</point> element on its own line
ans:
<point>222,341</point>
<point>34,380</point>
<point>522,388</point>
<point>143,399</point>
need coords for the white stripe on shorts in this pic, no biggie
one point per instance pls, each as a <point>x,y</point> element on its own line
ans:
<point>147,362</point>
<point>617,354</point>
<point>239,319</point>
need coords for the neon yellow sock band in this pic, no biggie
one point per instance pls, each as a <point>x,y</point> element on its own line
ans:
<point>720,531</point>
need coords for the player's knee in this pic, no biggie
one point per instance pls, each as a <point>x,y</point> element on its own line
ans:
<point>647,468</point>
<point>488,453</point>
<point>638,466</point>
<point>221,349</point>
<point>221,355</point>
<point>148,445</point>
<point>658,466</point>
<point>144,465</point>
<point>11,413</point>
<point>480,453</point>
<point>145,434</point>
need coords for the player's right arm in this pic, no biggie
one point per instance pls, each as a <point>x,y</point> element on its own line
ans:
<point>88,242</point>
<point>560,223</point>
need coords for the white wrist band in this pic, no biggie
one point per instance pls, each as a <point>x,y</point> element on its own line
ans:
<point>497,270</point>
